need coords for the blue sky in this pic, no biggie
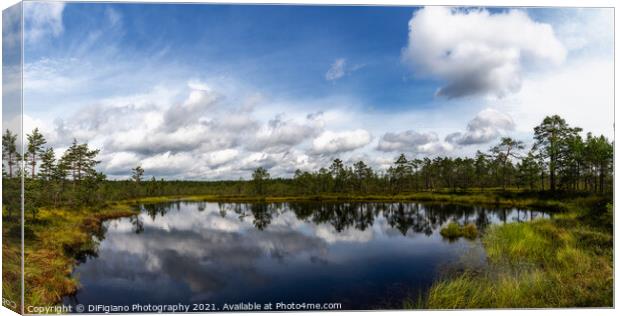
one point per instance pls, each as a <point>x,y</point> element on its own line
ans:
<point>289,87</point>
<point>286,49</point>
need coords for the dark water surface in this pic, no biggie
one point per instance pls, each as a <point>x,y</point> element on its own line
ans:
<point>362,255</point>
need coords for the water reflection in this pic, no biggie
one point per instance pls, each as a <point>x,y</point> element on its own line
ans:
<point>401,216</point>
<point>364,255</point>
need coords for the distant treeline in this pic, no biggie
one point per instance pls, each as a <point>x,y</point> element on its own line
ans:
<point>559,160</point>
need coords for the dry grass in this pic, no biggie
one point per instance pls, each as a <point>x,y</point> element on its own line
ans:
<point>56,237</point>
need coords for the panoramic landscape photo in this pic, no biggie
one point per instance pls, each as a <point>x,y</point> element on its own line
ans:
<point>204,157</point>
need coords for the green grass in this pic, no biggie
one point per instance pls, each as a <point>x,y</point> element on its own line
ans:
<point>55,238</point>
<point>560,262</point>
<point>454,231</point>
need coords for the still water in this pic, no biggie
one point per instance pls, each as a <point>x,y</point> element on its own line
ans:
<point>361,255</point>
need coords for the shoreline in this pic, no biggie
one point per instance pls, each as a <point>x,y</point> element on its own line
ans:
<point>53,252</point>
<point>478,198</point>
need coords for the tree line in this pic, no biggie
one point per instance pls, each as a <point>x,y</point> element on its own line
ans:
<point>560,159</point>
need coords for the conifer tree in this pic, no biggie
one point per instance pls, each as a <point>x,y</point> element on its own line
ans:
<point>34,150</point>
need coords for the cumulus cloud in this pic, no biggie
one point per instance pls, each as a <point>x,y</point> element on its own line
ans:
<point>413,142</point>
<point>476,52</point>
<point>221,137</point>
<point>221,157</point>
<point>42,19</point>
<point>485,127</point>
<point>201,98</point>
<point>410,140</point>
<point>258,159</point>
<point>338,142</point>
<point>119,162</point>
<point>169,163</point>
<point>280,135</point>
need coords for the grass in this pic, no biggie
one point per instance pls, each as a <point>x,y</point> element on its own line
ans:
<point>11,267</point>
<point>559,262</point>
<point>454,231</point>
<point>53,242</point>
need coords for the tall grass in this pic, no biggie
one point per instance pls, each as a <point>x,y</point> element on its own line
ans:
<point>557,262</point>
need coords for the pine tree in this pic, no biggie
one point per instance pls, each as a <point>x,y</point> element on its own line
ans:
<point>9,150</point>
<point>507,148</point>
<point>137,173</point>
<point>47,166</point>
<point>550,137</point>
<point>35,149</point>
<point>80,160</point>
<point>258,177</point>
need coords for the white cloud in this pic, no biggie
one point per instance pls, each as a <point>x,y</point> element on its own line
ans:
<point>219,128</point>
<point>169,164</point>
<point>280,135</point>
<point>585,30</point>
<point>338,142</point>
<point>485,127</point>
<point>257,159</point>
<point>405,141</point>
<point>200,100</point>
<point>413,142</point>
<point>221,157</point>
<point>582,93</point>
<point>340,68</point>
<point>478,53</point>
<point>337,70</point>
<point>42,19</point>
<point>119,162</point>
<point>328,233</point>
<point>435,148</point>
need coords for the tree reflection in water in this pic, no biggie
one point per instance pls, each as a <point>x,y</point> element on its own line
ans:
<point>405,217</point>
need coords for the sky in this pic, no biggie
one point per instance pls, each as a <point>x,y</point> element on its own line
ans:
<point>194,91</point>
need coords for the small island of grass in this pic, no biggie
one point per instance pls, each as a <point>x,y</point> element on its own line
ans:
<point>454,231</point>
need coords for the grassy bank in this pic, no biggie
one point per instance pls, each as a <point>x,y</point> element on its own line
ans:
<point>566,261</point>
<point>492,197</point>
<point>53,242</point>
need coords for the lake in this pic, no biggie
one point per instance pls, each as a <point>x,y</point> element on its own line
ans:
<point>361,255</point>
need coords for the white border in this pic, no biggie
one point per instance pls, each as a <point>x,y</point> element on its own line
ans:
<point>506,3</point>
